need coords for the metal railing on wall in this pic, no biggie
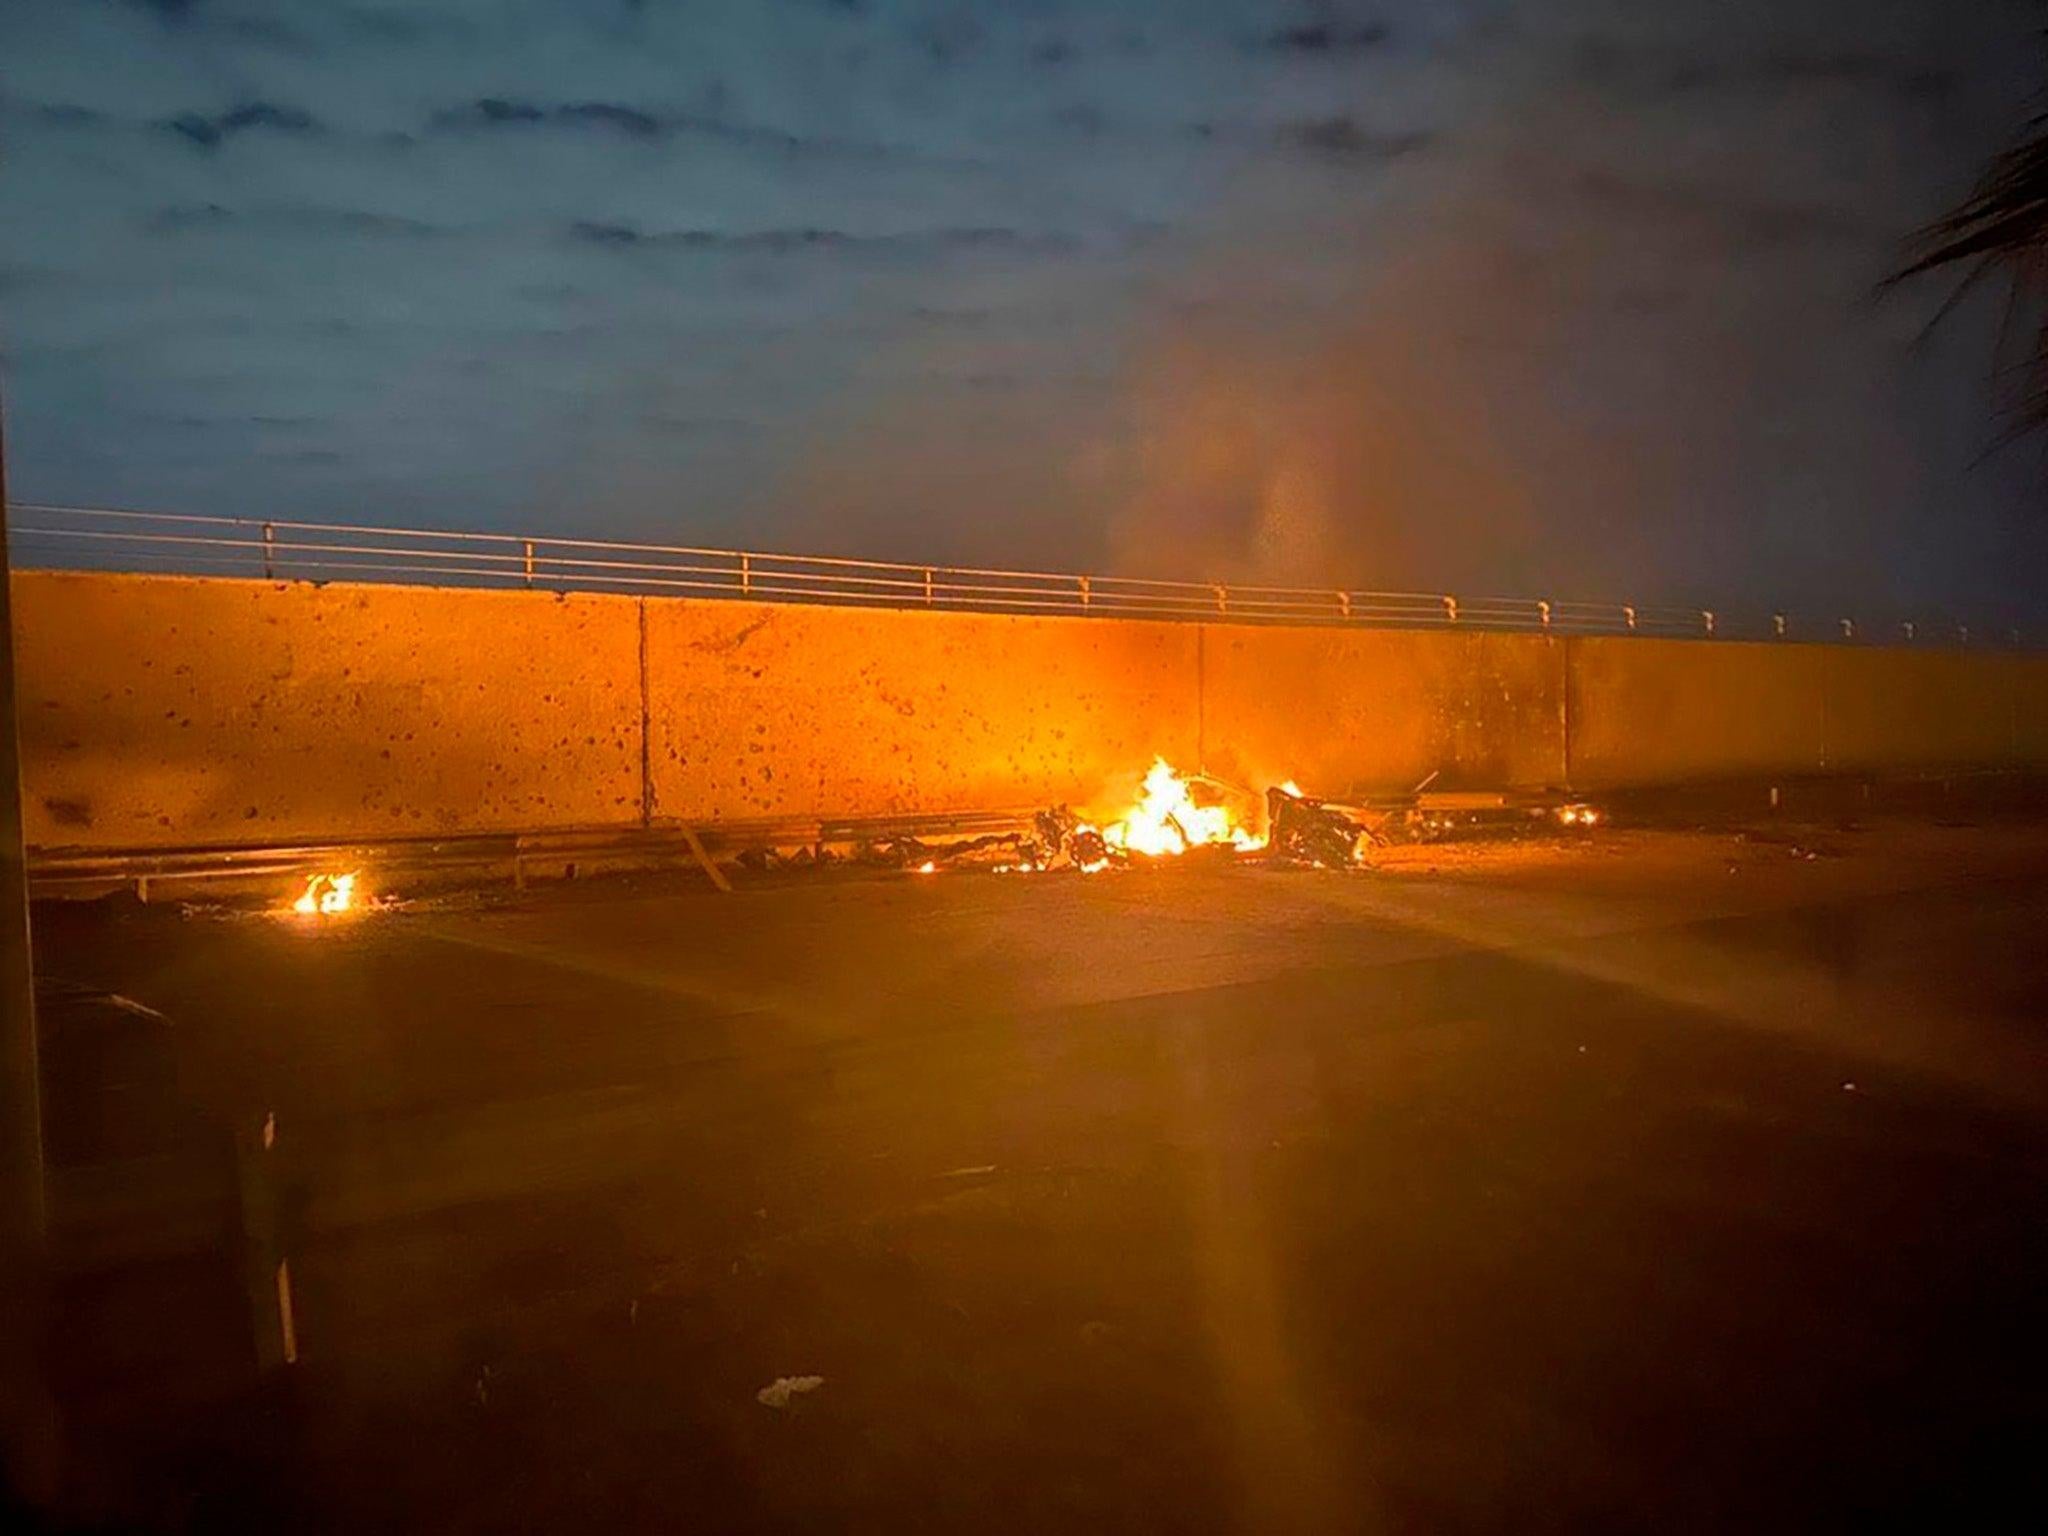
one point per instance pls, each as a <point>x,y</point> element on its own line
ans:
<point>195,544</point>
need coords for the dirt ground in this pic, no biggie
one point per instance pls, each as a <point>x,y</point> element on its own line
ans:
<point>1675,1179</point>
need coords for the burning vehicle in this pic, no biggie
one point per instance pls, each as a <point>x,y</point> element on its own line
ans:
<point>1179,817</point>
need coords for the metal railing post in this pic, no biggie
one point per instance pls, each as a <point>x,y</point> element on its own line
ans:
<point>1778,625</point>
<point>1628,615</point>
<point>1344,604</point>
<point>1084,592</point>
<point>1222,598</point>
<point>1450,609</point>
<point>1543,610</point>
<point>927,586</point>
<point>746,573</point>
<point>528,545</point>
<point>1848,629</point>
<point>270,551</point>
<point>1707,619</point>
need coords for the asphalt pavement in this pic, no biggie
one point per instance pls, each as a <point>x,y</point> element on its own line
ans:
<point>1652,1179</point>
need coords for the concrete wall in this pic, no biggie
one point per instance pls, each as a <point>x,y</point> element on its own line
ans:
<point>1920,709</point>
<point>1653,711</point>
<point>163,711</point>
<point>774,710</point>
<point>1380,710</point>
<point>171,711</point>
<point>1664,711</point>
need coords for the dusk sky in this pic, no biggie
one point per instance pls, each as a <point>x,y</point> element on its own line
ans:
<point>1572,298</point>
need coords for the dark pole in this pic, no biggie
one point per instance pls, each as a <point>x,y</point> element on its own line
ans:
<point>27,1428</point>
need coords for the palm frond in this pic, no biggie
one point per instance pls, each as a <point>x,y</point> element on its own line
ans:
<point>2000,229</point>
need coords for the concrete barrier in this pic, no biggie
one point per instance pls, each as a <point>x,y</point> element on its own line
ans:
<point>776,710</point>
<point>1900,709</point>
<point>2027,681</point>
<point>174,711</point>
<point>1646,711</point>
<point>170,711</point>
<point>1364,711</point>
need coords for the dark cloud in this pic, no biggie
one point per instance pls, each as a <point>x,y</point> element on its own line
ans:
<point>948,37</point>
<point>1346,138</point>
<point>167,10</point>
<point>799,241</point>
<point>1324,37</point>
<point>65,115</point>
<point>179,218</point>
<point>1084,118</point>
<point>1744,219</point>
<point>1632,67</point>
<point>1854,69</point>
<point>500,113</point>
<point>248,117</point>
<point>490,112</point>
<point>605,114</point>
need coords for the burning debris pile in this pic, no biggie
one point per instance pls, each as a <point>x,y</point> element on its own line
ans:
<point>1177,817</point>
<point>1186,819</point>
<point>1302,830</point>
<point>1173,817</point>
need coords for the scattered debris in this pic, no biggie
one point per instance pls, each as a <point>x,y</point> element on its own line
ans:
<point>779,1391</point>
<point>1303,830</point>
<point>53,991</point>
<point>1197,818</point>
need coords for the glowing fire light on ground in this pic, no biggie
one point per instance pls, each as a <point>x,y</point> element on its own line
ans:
<point>1167,820</point>
<point>327,894</point>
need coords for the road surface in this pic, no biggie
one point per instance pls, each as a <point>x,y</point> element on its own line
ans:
<point>1687,1180</point>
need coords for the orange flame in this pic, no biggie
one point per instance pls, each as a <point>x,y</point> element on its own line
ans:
<point>327,894</point>
<point>1166,820</point>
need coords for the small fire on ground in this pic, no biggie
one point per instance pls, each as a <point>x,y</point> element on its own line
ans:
<point>326,895</point>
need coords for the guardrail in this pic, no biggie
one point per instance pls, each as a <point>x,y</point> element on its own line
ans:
<point>195,544</point>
